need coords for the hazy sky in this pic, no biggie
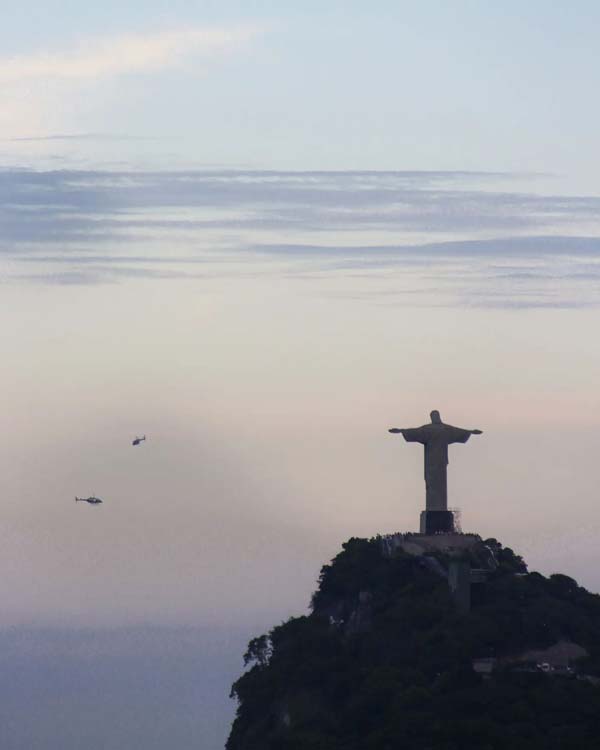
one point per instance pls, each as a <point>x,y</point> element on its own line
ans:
<point>311,85</point>
<point>262,236</point>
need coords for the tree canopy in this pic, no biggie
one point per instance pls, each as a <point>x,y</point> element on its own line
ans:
<point>384,660</point>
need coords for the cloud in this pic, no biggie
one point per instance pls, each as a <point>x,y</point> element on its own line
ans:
<point>60,90</point>
<point>404,210</point>
<point>521,247</point>
<point>381,233</point>
<point>132,53</point>
<point>99,274</point>
<point>83,137</point>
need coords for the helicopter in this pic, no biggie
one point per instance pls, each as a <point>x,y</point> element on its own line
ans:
<point>138,440</point>
<point>92,500</point>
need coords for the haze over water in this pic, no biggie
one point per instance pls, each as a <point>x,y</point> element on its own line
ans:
<point>264,320</point>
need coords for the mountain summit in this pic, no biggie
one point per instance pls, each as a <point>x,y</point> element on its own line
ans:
<point>427,642</point>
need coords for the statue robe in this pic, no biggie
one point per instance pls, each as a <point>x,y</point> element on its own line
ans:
<point>436,437</point>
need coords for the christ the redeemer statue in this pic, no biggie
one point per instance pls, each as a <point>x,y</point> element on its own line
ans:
<point>436,437</point>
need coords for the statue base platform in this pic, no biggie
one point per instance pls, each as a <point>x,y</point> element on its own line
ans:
<point>436,522</point>
<point>450,543</point>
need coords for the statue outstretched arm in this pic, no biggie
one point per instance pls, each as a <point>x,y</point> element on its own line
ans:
<point>459,434</point>
<point>411,434</point>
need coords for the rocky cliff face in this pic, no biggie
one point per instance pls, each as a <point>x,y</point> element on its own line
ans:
<point>390,658</point>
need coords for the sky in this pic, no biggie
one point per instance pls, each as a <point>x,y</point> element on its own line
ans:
<point>262,235</point>
<point>338,85</point>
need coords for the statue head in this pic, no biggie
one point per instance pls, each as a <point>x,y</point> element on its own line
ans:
<point>435,417</point>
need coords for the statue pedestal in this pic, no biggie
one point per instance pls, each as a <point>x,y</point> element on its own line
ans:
<point>436,522</point>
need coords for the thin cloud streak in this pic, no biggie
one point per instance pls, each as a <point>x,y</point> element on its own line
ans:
<point>83,137</point>
<point>131,53</point>
<point>522,247</point>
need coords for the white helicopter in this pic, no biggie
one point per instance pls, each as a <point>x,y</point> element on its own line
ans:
<point>92,500</point>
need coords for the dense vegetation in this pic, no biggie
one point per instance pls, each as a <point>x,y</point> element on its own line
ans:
<point>384,661</point>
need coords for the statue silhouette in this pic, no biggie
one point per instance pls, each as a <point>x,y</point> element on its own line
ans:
<point>436,437</point>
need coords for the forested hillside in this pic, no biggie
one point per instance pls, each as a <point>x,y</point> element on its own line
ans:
<point>385,660</point>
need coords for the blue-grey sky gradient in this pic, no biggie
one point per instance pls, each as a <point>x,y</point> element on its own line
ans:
<point>428,85</point>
